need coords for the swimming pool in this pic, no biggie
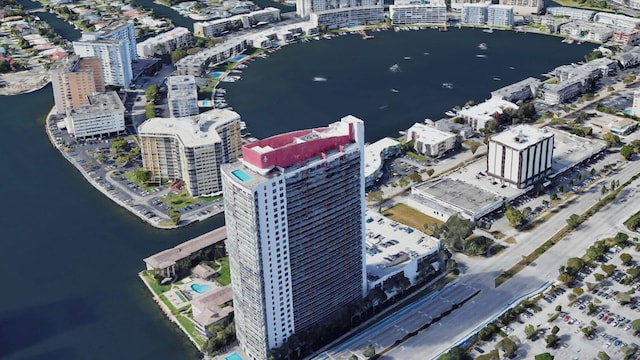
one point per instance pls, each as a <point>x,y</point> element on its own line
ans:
<point>237,58</point>
<point>200,288</point>
<point>241,175</point>
<point>233,356</point>
<point>216,74</point>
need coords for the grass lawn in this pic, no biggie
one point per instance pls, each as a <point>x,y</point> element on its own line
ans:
<point>224,275</point>
<point>417,157</point>
<point>191,329</point>
<point>411,217</point>
<point>173,308</point>
<point>130,175</point>
<point>577,4</point>
<point>157,288</point>
<point>181,199</point>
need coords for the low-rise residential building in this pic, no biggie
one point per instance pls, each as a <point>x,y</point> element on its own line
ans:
<point>429,141</point>
<point>375,156</point>
<point>166,262</point>
<point>628,58</point>
<point>520,91</point>
<point>593,69</point>
<point>218,27</point>
<point>524,7</point>
<point>191,148</point>
<point>616,125</point>
<point>182,95</point>
<point>616,20</point>
<point>477,116</point>
<point>500,15</point>
<point>475,14</point>
<point>560,92</point>
<point>459,4</point>
<point>520,156</point>
<point>571,13</point>
<point>103,115</point>
<point>350,16</point>
<point>427,13</point>
<point>586,31</point>
<point>197,64</point>
<point>165,43</point>
<point>635,108</point>
<point>304,8</point>
<point>626,37</point>
<point>211,308</point>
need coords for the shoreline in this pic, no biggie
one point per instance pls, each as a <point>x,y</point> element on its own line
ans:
<point>186,221</point>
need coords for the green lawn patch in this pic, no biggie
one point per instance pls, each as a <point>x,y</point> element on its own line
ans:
<point>633,222</point>
<point>411,217</point>
<point>131,176</point>
<point>497,234</point>
<point>224,272</point>
<point>173,309</point>
<point>510,240</point>
<point>211,198</point>
<point>157,288</point>
<point>188,325</point>
<point>180,200</point>
<point>417,157</point>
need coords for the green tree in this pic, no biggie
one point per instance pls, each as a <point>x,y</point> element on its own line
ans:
<point>529,331</point>
<point>598,276</point>
<point>621,239</point>
<point>415,177</point>
<point>623,298</point>
<point>603,356</point>
<point>608,269</point>
<point>627,151</point>
<point>352,357</point>
<point>141,175</point>
<point>515,217</point>
<point>625,258</point>
<point>508,346</point>
<point>454,232</point>
<point>121,160</point>
<point>491,355</point>
<point>611,139</point>
<point>555,330</point>
<point>430,172</point>
<point>551,340</point>
<point>151,92</point>
<point>177,55</point>
<point>633,272</point>
<point>573,221</point>
<point>133,153</point>
<point>118,145</point>
<point>376,196</point>
<point>150,110</point>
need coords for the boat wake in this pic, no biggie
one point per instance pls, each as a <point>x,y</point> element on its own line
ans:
<point>319,79</point>
<point>481,55</point>
<point>447,85</point>
<point>395,90</point>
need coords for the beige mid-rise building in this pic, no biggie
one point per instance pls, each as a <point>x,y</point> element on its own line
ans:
<point>73,79</point>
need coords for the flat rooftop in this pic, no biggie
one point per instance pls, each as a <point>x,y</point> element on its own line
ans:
<point>570,150</point>
<point>192,131</point>
<point>468,197</point>
<point>521,136</point>
<point>372,158</point>
<point>169,257</point>
<point>429,134</point>
<point>389,256</point>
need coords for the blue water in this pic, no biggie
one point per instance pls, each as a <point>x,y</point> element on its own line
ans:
<point>241,175</point>
<point>629,111</point>
<point>216,74</point>
<point>200,289</point>
<point>233,356</point>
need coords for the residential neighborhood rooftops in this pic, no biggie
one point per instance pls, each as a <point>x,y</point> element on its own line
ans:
<point>169,257</point>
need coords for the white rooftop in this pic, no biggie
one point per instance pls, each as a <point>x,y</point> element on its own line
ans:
<point>428,134</point>
<point>521,136</point>
<point>488,108</point>
<point>372,158</point>
<point>192,131</point>
<point>411,244</point>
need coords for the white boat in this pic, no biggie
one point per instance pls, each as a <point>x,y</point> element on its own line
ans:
<point>450,113</point>
<point>512,68</point>
<point>496,78</point>
<point>407,57</point>
<point>243,125</point>
<point>395,68</point>
<point>483,46</point>
<point>426,53</point>
<point>319,79</point>
<point>481,55</point>
<point>447,85</point>
<point>395,90</point>
<point>488,31</point>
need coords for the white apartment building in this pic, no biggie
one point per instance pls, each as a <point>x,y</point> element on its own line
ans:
<point>103,115</point>
<point>521,156</point>
<point>217,27</point>
<point>524,7</point>
<point>191,148</point>
<point>571,13</point>
<point>182,95</point>
<point>114,58</point>
<point>477,116</point>
<point>304,8</point>
<point>295,217</point>
<point>500,15</point>
<point>616,20</point>
<point>427,13</point>
<point>558,93</point>
<point>124,31</point>
<point>165,43</point>
<point>198,64</point>
<point>349,16</point>
<point>429,141</point>
<point>474,13</point>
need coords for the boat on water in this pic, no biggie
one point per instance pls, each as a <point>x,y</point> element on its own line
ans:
<point>483,46</point>
<point>512,68</point>
<point>243,125</point>
<point>447,85</point>
<point>481,56</point>
<point>395,90</point>
<point>319,79</point>
<point>496,78</point>
<point>450,113</point>
<point>407,57</point>
<point>488,30</point>
<point>395,68</point>
<point>426,53</point>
